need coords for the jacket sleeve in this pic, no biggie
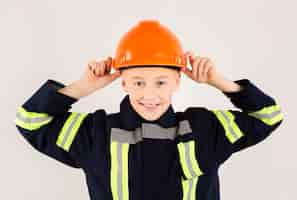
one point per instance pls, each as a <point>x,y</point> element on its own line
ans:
<point>216,134</point>
<point>45,122</point>
<point>235,130</point>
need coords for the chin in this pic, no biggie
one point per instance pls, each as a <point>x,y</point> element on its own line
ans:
<point>151,116</point>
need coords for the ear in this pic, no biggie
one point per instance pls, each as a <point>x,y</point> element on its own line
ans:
<point>124,85</point>
<point>178,80</point>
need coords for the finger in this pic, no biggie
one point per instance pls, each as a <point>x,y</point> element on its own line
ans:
<point>95,69</point>
<point>187,54</point>
<point>108,68</point>
<point>191,57</point>
<point>208,65</point>
<point>185,69</point>
<point>201,67</point>
<point>91,64</point>
<point>91,67</point>
<point>101,66</point>
<point>105,67</point>
<point>195,66</point>
<point>108,64</point>
<point>188,72</point>
<point>109,59</point>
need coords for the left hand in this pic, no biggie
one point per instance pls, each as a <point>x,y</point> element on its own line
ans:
<point>203,69</point>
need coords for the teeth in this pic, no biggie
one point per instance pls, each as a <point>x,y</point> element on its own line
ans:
<point>150,105</point>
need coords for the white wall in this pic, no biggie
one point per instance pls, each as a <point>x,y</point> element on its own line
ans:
<point>55,39</point>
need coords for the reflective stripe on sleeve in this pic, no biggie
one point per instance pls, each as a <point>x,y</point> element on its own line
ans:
<point>31,120</point>
<point>270,115</point>
<point>226,118</point>
<point>189,188</point>
<point>69,130</point>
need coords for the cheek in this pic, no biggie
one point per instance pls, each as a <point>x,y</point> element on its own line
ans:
<point>131,91</point>
<point>166,92</point>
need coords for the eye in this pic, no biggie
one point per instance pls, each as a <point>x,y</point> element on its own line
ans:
<point>138,83</point>
<point>161,82</point>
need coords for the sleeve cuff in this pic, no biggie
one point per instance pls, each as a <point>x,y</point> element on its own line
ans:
<point>245,84</point>
<point>47,99</point>
<point>250,97</point>
<point>58,85</point>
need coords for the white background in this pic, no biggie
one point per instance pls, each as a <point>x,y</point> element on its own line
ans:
<point>42,40</point>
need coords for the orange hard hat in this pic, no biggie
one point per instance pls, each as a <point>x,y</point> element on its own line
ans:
<point>149,43</point>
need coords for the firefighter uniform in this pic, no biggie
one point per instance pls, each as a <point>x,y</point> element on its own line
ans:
<point>126,157</point>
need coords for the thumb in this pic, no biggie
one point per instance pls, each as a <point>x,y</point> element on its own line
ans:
<point>190,55</point>
<point>187,71</point>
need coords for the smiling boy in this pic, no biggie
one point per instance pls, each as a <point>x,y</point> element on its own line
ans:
<point>147,151</point>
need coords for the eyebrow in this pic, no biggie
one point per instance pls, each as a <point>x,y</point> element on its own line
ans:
<point>138,77</point>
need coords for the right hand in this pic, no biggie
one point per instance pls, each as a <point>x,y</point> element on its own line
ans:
<point>97,74</point>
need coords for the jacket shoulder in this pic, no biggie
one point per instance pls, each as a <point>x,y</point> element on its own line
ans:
<point>198,117</point>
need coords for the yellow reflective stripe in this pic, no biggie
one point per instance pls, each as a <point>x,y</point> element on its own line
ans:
<point>189,188</point>
<point>119,170</point>
<point>188,159</point>
<point>31,120</point>
<point>226,118</point>
<point>194,161</point>
<point>193,189</point>
<point>69,130</point>
<point>114,170</point>
<point>186,188</point>
<point>270,115</point>
<point>181,150</point>
<point>125,151</point>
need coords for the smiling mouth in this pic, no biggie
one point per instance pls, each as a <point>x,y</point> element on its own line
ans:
<point>150,106</point>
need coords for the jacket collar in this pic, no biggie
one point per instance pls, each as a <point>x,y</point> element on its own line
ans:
<point>130,119</point>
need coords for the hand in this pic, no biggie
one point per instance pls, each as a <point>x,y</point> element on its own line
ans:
<point>203,69</point>
<point>97,74</point>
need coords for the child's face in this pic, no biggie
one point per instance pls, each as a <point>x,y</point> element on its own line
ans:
<point>150,89</point>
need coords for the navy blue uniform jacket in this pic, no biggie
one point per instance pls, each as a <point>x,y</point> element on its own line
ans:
<point>125,157</point>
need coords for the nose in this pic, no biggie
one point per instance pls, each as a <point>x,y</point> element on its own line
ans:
<point>149,95</point>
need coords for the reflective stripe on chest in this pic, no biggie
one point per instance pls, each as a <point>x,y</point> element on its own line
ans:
<point>119,148</point>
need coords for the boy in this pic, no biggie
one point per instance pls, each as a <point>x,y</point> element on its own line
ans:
<point>147,151</point>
